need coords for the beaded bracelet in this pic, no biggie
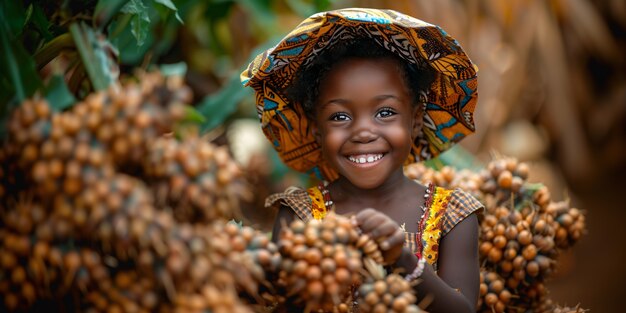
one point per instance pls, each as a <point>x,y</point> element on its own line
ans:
<point>417,272</point>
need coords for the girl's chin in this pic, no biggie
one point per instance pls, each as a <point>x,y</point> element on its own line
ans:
<point>364,182</point>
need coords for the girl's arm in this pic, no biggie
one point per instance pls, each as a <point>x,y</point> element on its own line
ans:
<point>456,285</point>
<point>284,217</point>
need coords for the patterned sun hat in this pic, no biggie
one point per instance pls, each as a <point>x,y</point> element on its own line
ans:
<point>449,106</point>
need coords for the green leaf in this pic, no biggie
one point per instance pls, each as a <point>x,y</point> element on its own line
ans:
<point>139,28</point>
<point>13,16</point>
<point>126,43</point>
<point>174,69</point>
<point>170,5</point>
<point>29,13</point>
<point>456,157</point>
<point>58,95</point>
<point>140,21</point>
<point>16,66</point>
<point>41,23</point>
<point>105,10</point>
<point>193,116</point>
<point>91,49</point>
<point>219,106</point>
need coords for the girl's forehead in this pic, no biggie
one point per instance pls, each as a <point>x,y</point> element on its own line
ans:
<point>378,78</point>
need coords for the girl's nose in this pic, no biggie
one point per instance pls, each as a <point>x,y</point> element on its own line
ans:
<point>364,134</point>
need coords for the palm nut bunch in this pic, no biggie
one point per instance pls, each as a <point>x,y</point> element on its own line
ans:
<point>197,179</point>
<point>384,293</point>
<point>82,224</point>
<point>320,263</point>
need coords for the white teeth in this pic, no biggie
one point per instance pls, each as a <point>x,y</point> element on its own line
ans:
<point>365,159</point>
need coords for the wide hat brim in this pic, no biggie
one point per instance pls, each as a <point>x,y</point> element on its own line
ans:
<point>450,103</point>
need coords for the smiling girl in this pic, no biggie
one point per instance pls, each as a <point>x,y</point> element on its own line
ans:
<point>351,96</point>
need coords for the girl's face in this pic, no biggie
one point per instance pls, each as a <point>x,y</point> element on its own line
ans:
<point>365,121</point>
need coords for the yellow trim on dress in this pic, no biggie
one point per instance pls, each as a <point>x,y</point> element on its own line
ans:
<point>318,208</point>
<point>432,231</point>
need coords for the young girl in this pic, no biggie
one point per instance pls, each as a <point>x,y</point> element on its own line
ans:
<point>352,95</point>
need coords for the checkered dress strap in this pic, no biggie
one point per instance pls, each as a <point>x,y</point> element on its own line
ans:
<point>295,198</point>
<point>461,205</point>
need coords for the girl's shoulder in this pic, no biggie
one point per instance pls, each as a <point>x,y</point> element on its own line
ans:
<point>459,205</point>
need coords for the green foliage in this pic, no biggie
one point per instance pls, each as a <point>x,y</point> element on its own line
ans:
<point>18,75</point>
<point>456,157</point>
<point>139,21</point>
<point>220,105</point>
<point>174,69</point>
<point>58,95</point>
<point>170,5</point>
<point>93,53</point>
<point>105,10</point>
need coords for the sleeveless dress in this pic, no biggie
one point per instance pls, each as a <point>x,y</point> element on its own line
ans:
<point>443,209</point>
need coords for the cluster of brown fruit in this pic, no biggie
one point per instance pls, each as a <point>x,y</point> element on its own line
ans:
<point>198,180</point>
<point>493,293</point>
<point>91,206</point>
<point>522,231</point>
<point>320,263</point>
<point>251,250</point>
<point>381,292</point>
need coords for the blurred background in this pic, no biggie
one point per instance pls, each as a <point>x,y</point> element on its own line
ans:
<point>552,93</point>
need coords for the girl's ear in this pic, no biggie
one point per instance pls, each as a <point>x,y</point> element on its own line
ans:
<point>418,122</point>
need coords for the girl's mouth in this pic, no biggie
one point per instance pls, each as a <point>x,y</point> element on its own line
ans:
<point>365,158</point>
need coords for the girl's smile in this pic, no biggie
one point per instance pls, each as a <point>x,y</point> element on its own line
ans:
<point>366,159</point>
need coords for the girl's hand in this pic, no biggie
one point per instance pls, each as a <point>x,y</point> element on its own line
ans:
<point>384,230</point>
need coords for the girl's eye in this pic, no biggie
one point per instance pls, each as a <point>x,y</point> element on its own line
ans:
<point>340,117</point>
<point>385,112</point>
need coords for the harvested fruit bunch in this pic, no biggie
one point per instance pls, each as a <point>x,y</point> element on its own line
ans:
<point>28,126</point>
<point>121,218</point>
<point>17,288</point>
<point>249,255</point>
<point>64,151</point>
<point>494,296</point>
<point>44,272</point>
<point>518,245</point>
<point>126,291</point>
<point>81,227</point>
<point>570,224</point>
<point>320,263</point>
<point>383,292</point>
<point>210,299</point>
<point>197,179</point>
<point>446,177</point>
<point>214,263</point>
